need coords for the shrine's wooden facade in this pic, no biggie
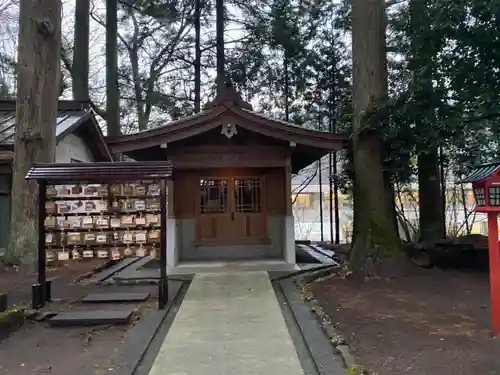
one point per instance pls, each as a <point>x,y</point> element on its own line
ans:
<point>230,198</point>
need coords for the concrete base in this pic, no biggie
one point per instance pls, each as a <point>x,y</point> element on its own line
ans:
<point>230,253</point>
<point>228,324</point>
<point>182,245</point>
<point>289,240</point>
<point>231,266</point>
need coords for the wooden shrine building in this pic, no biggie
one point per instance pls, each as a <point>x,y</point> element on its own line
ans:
<point>230,198</point>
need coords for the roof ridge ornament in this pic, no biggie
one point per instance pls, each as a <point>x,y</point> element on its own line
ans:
<point>230,96</point>
<point>229,130</point>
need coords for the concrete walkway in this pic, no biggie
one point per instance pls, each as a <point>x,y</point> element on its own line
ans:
<point>228,324</point>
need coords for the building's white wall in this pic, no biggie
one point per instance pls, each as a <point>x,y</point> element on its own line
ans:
<point>72,147</point>
<point>308,224</point>
<point>307,221</point>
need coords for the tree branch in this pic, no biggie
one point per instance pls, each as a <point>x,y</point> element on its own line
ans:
<point>304,184</point>
<point>69,66</point>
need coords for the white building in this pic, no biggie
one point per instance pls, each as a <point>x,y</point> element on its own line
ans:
<point>79,139</point>
<point>309,195</point>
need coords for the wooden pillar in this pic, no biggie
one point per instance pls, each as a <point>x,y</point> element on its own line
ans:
<point>494,261</point>
<point>163,284</point>
<point>39,292</point>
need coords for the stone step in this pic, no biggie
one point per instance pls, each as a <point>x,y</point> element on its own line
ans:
<point>115,297</point>
<point>91,318</point>
<point>317,253</point>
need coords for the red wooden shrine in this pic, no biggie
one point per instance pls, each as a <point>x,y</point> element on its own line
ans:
<point>485,180</point>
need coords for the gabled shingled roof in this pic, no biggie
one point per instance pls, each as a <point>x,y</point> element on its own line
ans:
<point>70,116</point>
<point>100,172</point>
<point>230,108</point>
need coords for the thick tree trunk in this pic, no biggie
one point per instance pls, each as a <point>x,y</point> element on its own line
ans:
<point>431,210</point>
<point>80,71</point>
<point>36,113</point>
<point>429,195</point>
<point>375,233</point>
<point>112,90</point>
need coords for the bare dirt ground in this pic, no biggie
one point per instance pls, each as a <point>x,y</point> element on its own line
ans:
<point>37,348</point>
<point>17,283</point>
<point>432,322</point>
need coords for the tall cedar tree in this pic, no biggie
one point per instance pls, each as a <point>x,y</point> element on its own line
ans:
<point>36,113</point>
<point>80,71</point>
<point>112,90</point>
<point>375,234</point>
<point>221,60</point>
<point>431,212</point>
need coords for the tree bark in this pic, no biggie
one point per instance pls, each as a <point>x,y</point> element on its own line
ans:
<point>112,90</point>
<point>375,234</point>
<point>80,71</point>
<point>36,113</point>
<point>332,159</point>
<point>429,195</point>
<point>431,210</point>
<point>286,85</point>
<point>221,61</point>
<point>197,57</point>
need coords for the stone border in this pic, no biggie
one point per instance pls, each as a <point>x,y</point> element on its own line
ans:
<point>315,353</point>
<point>337,341</point>
<point>4,303</point>
<point>301,281</point>
<point>95,270</point>
<point>323,269</point>
<point>141,336</point>
<point>10,320</point>
<point>319,273</point>
<point>103,276</point>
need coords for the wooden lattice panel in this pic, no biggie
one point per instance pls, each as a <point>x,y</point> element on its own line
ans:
<point>247,195</point>
<point>213,195</point>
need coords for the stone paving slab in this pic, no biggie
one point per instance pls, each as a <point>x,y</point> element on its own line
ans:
<point>91,318</point>
<point>228,324</point>
<point>115,297</point>
<point>107,273</point>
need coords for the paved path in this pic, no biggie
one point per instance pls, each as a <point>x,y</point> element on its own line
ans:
<point>228,324</point>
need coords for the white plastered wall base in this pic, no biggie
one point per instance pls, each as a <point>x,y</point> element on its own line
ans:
<point>290,240</point>
<point>171,243</point>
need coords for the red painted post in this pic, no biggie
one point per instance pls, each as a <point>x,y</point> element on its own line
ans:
<point>494,255</point>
